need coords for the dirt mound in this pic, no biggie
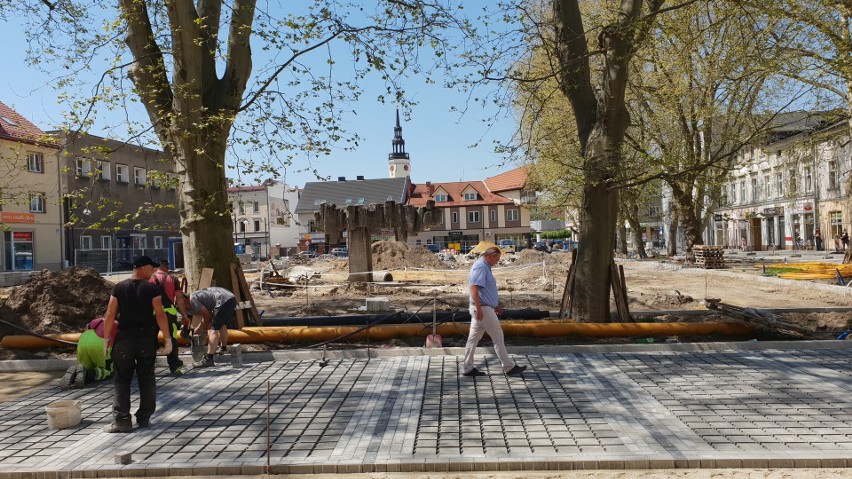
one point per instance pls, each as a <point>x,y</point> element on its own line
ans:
<point>529,256</point>
<point>398,255</point>
<point>57,301</point>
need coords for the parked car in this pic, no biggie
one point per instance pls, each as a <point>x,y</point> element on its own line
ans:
<point>433,248</point>
<point>307,254</point>
<point>541,246</point>
<point>340,252</point>
<point>507,245</point>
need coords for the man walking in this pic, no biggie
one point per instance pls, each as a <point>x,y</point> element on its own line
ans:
<point>172,297</point>
<point>216,307</point>
<point>484,308</point>
<point>136,302</point>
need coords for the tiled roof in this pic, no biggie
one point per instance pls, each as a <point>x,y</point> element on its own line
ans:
<point>510,180</point>
<point>238,189</point>
<point>455,193</point>
<point>15,127</point>
<point>343,193</point>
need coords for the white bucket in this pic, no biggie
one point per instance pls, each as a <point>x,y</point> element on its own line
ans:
<point>62,414</point>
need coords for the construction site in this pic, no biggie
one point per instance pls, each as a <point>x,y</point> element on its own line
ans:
<point>714,367</point>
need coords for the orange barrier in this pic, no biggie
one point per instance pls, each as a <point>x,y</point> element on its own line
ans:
<point>541,329</point>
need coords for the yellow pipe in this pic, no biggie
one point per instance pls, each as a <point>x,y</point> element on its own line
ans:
<point>543,328</point>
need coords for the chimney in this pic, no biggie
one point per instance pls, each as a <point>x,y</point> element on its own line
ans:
<point>430,189</point>
<point>341,178</point>
<point>359,178</point>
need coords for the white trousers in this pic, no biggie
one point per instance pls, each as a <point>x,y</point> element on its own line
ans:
<point>491,325</point>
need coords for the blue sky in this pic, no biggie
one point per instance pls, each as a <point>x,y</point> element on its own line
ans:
<point>437,139</point>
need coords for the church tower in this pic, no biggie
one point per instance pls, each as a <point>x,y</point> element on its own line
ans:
<point>399,165</point>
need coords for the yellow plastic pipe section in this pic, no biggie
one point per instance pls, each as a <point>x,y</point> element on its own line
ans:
<point>542,329</point>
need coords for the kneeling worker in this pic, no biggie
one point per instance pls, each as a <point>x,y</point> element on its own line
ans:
<point>93,365</point>
<point>216,306</point>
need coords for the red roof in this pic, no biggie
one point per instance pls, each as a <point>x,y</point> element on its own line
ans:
<point>15,127</point>
<point>455,194</point>
<point>238,189</point>
<point>510,180</point>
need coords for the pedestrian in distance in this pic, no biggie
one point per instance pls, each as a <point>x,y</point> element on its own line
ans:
<point>484,308</point>
<point>93,361</point>
<point>138,304</point>
<point>818,239</point>
<point>844,238</point>
<point>216,306</point>
<point>172,297</point>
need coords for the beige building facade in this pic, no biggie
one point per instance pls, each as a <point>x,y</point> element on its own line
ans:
<point>30,199</point>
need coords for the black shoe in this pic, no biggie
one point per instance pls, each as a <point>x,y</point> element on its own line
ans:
<point>206,362</point>
<point>115,427</point>
<point>67,381</point>
<point>144,423</point>
<point>516,370</point>
<point>80,378</point>
<point>474,372</point>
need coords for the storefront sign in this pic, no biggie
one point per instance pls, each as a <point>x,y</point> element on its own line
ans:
<point>455,234</point>
<point>777,211</point>
<point>6,217</point>
<point>22,235</point>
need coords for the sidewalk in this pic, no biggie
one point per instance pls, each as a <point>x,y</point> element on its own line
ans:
<point>745,405</point>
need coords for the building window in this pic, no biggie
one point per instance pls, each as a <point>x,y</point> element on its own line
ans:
<point>492,216</point>
<point>257,225</point>
<point>654,211</point>
<point>243,227</point>
<point>835,222</point>
<point>733,193</point>
<point>173,181</point>
<point>255,207</point>
<point>809,181</point>
<point>832,175</point>
<point>455,217</point>
<point>241,208</point>
<point>106,242</point>
<point>755,190</point>
<point>85,243</point>
<point>794,185</point>
<point>469,196</point>
<point>104,172</point>
<point>767,186</point>
<point>743,196</point>
<point>82,167</point>
<point>140,178</point>
<point>158,242</point>
<point>512,215</point>
<point>155,178</point>
<point>440,198</point>
<point>36,203</point>
<point>473,216</point>
<point>121,174</point>
<point>35,162</point>
<point>779,184</point>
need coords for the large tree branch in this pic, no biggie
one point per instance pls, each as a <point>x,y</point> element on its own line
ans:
<point>148,72</point>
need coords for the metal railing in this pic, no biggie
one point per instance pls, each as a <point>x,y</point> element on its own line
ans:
<point>114,260</point>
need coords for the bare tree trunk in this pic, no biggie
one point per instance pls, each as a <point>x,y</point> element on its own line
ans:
<point>671,241</point>
<point>622,235</point>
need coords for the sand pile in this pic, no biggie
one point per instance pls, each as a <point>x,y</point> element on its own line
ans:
<point>57,301</point>
<point>398,255</point>
<point>529,256</point>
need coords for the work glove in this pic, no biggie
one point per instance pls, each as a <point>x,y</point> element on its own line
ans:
<point>167,347</point>
<point>106,350</point>
<point>185,332</point>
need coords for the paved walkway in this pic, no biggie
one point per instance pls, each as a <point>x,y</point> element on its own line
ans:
<point>629,406</point>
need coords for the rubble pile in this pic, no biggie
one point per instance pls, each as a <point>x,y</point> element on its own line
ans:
<point>57,301</point>
<point>529,256</point>
<point>398,255</point>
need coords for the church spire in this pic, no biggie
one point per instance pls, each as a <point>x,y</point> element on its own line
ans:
<point>399,162</point>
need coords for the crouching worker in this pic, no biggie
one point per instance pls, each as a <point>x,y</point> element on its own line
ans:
<point>215,307</point>
<point>93,364</point>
